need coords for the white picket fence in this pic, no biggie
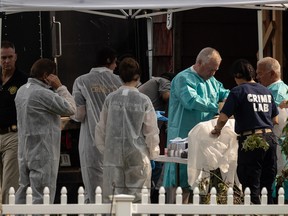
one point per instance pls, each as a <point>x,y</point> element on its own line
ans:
<point>122,205</point>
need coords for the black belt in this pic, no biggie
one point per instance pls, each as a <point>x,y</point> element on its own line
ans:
<point>256,131</point>
<point>12,128</point>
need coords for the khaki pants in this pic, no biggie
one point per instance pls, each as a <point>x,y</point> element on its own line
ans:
<point>9,171</point>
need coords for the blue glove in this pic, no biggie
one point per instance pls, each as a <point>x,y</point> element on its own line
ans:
<point>152,164</point>
<point>160,116</point>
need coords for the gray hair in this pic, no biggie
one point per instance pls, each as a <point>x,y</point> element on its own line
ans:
<point>270,64</point>
<point>206,54</point>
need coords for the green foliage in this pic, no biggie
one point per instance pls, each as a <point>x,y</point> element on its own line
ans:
<point>216,181</point>
<point>281,178</point>
<point>284,144</point>
<point>255,141</point>
<point>284,149</point>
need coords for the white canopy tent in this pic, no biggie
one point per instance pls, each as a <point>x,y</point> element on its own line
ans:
<point>133,7</point>
<point>139,8</point>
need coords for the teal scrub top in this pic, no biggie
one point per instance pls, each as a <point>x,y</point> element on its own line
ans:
<point>279,91</point>
<point>192,100</point>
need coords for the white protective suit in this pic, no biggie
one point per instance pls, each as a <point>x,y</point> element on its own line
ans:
<point>208,152</point>
<point>128,135</point>
<point>278,131</point>
<point>90,91</point>
<point>39,133</point>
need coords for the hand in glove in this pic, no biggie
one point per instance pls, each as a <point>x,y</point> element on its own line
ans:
<point>160,116</point>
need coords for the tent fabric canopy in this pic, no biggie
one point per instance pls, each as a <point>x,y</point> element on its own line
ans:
<point>62,5</point>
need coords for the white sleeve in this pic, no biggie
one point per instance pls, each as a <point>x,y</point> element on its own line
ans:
<point>100,131</point>
<point>151,132</point>
<point>79,114</point>
<point>63,92</point>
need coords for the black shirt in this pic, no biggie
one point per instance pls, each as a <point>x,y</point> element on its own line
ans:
<point>252,105</point>
<point>7,95</point>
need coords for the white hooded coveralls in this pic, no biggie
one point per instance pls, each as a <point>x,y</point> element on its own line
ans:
<point>90,91</point>
<point>128,135</point>
<point>39,133</point>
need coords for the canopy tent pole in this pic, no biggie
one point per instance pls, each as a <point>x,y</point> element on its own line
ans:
<point>260,34</point>
<point>103,14</point>
<point>150,45</point>
<point>2,14</point>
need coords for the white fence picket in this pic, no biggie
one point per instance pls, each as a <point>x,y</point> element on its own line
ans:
<point>123,205</point>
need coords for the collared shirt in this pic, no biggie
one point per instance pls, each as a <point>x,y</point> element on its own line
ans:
<point>7,95</point>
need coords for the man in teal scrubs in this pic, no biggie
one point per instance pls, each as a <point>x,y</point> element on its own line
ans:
<point>194,97</point>
<point>269,74</point>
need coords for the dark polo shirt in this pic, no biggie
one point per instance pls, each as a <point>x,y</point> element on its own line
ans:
<point>7,95</point>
